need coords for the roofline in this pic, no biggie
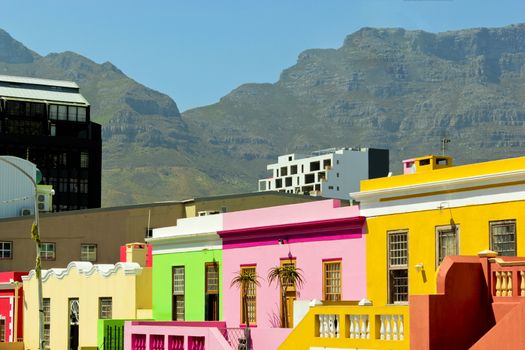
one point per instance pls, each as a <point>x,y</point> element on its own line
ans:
<point>38,81</point>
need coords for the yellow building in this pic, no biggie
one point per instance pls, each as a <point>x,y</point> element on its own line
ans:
<point>413,221</point>
<point>77,296</point>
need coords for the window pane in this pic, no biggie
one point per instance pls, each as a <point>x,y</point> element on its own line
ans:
<point>81,114</point>
<point>332,281</point>
<point>72,113</point>
<point>47,251</point>
<point>62,112</point>
<point>84,160</point>
<point>397,266</point>
<point>6,250</point>
<point>105,308</point>
<point>503,237</point>
<point>212,279</point>
<point>251,298</point>
<point>178,293</point>
<point>447,242</point>
<point>88,252</point>
<point>53,112</point>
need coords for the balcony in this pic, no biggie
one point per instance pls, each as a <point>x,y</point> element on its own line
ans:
<point>351,326</point>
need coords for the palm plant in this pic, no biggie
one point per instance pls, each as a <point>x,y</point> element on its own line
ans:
<point>287,275</point>
<point>242,280</point>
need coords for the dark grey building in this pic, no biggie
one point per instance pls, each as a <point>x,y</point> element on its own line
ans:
<point>48,123</point>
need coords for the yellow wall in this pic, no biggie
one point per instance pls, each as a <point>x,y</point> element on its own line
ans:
<point>473,222</point>
<point>454,172</point>
<point>124,289</point>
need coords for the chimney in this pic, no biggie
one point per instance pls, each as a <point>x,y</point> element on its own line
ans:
<point>137,252</point>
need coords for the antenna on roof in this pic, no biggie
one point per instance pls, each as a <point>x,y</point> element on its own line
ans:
<point>444,142</point>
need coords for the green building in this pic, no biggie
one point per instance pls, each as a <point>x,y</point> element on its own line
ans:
<point>186,281</point>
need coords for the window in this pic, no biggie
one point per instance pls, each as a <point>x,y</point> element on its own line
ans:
<point>84,160</point>
<point>178,293</point>
<point>503,237</point>
<point>6,250</point>
<point>81,114</point>
<point>278,183</point>
<point>88,252</point>
<point>53,112</point>
<point>83,186</point>
<point>284,171</point>
<point>105,305</point>
<point>46,306</point>
<point>47,251</point>
<point>309,178</point>
<point>447,242</point>
<point>62,112</point>
<point>251,298</point>
<point>73,185</point>
<point>293,169</point>
<point>212,292</point>
<point>397,267</point>
<point>288,181</point>
<point>72,114</point>
<point>2,330</point>
<point>332,280</point>
<point>314,166</point>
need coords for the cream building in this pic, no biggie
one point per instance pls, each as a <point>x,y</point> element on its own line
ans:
<point>77,296</point>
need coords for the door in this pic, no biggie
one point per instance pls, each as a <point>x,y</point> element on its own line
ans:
<point>74,320</point>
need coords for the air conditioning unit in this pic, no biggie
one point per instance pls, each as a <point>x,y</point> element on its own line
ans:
<point>27,211</point>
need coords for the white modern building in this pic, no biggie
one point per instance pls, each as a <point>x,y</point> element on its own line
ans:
<point>17,192</point>
<point>331,173</point>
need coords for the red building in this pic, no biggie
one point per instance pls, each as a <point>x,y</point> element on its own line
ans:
<point>11,306</point>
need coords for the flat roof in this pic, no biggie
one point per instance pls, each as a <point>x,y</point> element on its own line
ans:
<point>38,81</point>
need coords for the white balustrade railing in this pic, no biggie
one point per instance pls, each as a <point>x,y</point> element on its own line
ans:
<point>328,326</point>
<point>359,326</point>
<point>392,327</point>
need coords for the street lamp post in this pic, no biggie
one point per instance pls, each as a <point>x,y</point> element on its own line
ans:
<point>35,235</point>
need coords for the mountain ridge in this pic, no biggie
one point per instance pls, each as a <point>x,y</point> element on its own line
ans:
<point>383,87</point>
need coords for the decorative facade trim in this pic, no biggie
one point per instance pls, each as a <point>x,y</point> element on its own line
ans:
<point>87,269</point>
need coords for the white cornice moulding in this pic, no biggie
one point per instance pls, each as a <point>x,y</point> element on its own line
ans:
<point>453,184</point>
<point>87,269</point>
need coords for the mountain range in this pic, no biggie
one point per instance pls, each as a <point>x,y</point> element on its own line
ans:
<point>389,88</point>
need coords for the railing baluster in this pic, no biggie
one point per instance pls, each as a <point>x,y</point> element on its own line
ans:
<point>352,329</point>
<point>522,283</point>
<point>382,329</point>
<point>401,328</point>
<point>509,284</point>
<point>498,283</point>
<point>394,329</point>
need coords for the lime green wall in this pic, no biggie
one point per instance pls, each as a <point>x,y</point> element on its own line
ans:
<point>194,263</point>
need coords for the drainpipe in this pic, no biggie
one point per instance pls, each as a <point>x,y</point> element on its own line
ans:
<point>15,320</point>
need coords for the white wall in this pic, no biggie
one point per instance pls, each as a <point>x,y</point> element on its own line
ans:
<point>16,190</point>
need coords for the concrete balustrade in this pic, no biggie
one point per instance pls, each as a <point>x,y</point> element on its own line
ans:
<point>345,324</point>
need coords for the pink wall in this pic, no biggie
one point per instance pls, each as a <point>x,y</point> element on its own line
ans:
<point>312,232</point>
<point>309,257</point>
<point>286,214</point>
<point>7,307</point>
<point>213,339</point>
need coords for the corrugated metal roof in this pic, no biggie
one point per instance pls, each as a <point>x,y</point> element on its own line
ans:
<point>43,95</point>
<point>38,81</point>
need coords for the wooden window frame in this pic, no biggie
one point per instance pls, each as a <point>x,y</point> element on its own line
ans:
<point>174,307</point>
<point>328,262</point>
<point>495,223</point>
<point>440,229</point>
<point>398,267</point>
<point>206,290</point>
<point>243,321</point>
<point>103,315</point>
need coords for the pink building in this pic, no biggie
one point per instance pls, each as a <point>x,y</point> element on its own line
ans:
<point>11,306</point>
<point>323,239</point>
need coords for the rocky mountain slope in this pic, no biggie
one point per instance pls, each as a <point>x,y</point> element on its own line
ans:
<point>404,90</point>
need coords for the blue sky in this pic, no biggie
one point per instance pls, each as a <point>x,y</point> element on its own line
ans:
<point>197,51</point>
